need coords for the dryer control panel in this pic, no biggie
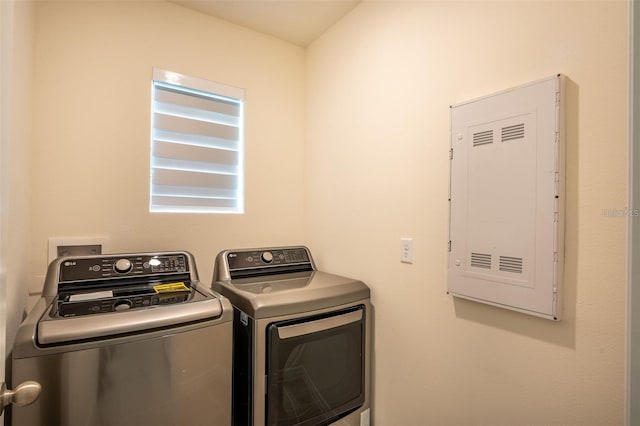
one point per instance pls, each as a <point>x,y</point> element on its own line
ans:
<point>265,261</point>
<point>261,258</point>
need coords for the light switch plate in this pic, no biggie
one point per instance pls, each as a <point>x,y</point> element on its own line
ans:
<point>406,250</point>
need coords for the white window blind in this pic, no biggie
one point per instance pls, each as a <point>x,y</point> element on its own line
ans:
<point>196,145</point>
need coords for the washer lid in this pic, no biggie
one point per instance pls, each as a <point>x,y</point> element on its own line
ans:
<point>60,330</point>
<point>284,294</point>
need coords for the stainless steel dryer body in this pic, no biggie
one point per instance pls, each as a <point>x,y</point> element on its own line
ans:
<point>302,339</point>
<point>118,342</point>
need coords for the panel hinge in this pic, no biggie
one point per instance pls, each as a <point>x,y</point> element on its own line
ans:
<point>449,246</point>
<point>451,154</point>
<point>555,296</point>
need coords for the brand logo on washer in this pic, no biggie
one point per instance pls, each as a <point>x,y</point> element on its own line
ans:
<point>69,263</point>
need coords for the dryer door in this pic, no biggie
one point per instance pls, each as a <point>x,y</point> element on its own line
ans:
<point>315,368</point>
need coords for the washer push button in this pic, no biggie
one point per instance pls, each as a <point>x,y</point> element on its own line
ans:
<point>123,266</point>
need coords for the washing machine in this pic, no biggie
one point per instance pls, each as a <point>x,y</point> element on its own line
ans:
<point>124,340</point>
<point>302,345</point>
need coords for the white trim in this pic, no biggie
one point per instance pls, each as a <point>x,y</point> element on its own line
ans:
<point>6,50</point>
<point>630,228</point>
<point>182,80</point>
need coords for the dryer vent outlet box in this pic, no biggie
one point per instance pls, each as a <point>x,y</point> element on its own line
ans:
<point>506,193</point>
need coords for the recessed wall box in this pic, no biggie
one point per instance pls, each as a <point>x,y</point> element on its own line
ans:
<point>76,246</point>
<point>506,230</point>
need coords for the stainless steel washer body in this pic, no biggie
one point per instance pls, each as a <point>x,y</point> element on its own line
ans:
<point>297,331</point>
<point>135,342</point>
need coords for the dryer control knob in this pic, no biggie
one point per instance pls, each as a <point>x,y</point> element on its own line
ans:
<point>267,257</point>
<point>123,266</point>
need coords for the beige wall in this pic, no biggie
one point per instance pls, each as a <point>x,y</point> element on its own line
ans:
<point>91,128</point>
<point>379,86</point>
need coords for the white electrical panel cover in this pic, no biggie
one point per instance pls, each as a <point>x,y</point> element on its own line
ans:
<point>506,230</point>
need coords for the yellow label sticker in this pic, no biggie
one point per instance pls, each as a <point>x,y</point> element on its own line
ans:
<point>170,287</point>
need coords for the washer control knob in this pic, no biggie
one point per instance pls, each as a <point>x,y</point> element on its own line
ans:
<point>123,266</point>
<point>122,305</point>
<point>267,257</point>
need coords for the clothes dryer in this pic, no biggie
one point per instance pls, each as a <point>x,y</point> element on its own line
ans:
<point>302,339</point>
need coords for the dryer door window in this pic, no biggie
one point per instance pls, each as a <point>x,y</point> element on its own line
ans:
<point>315,368</point>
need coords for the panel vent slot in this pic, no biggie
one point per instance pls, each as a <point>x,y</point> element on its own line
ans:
<point>511,264</point>
<point>481,260</point>
<point>510,133</point>
<point>483,138</point>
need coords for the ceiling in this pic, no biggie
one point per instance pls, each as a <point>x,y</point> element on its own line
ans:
<point>296,21</point>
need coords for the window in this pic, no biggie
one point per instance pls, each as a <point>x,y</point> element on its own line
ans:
<point>196,145</point>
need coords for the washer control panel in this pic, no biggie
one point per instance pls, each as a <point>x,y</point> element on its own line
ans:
<point>71,305</point>
<point>122,266</point>
<point>264,258</point>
